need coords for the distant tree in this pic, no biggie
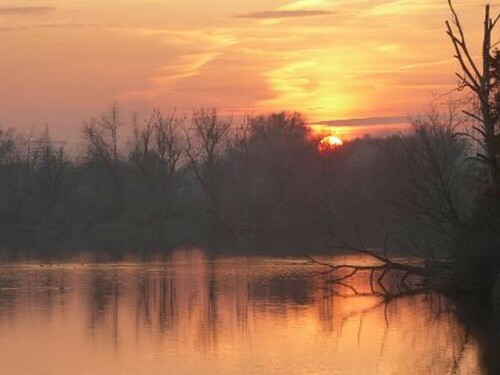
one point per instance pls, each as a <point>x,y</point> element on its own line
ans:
<point>206,141</point>
<point>155,159</point>
<point>429,184</point>
<point>157,148</point>
<point>51,162</point>
<point>6,144</point>
<point>270,177</point>
<point>101,145</point>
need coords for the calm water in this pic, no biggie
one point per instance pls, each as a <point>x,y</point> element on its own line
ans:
<point>233,316</point>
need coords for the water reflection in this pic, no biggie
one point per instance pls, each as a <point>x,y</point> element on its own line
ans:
<point>234,316</point>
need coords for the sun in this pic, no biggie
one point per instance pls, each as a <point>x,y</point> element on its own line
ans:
<point>329,143</point>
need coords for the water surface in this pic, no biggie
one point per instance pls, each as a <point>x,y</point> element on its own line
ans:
<point>193,316</point>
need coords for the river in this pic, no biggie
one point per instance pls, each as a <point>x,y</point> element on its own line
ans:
<point>191,316</point>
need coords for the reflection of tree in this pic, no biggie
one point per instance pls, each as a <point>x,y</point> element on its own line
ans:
<point>189,300</point>
<point>242,296</point>
<point>168,302</point>
<point>104,297</point>
<point>156,302</point>
<point>439,325</point>
<point>45,289</point>
<point>9,286</point>
<point>52,288</point>
<point>209,321</point>
<point>144,300</point>
<point>290,289</point>
<point>482,323</point>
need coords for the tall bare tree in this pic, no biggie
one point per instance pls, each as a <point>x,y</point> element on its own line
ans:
<point>101,142</point>
<point>157,150</point>
<point>478,79</point>
<point>204,147</point>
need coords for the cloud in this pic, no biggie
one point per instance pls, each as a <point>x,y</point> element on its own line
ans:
<point>25,10</point>
<point>388,48</point>
<point>68,25</point>
<point>274,14</point>
<point>307,5</point>
<point>366,121</point>
<point>399,7</point>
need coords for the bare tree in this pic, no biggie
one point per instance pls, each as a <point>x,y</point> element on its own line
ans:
<point>101,135</point>
<point>431,191</point>
<point>6,144</point>
<point>478,79</point>
<point>168,142</point>
<point>101,142</point>
<point>210,133</point>
<point>157,149</point>
<point>51,166</point>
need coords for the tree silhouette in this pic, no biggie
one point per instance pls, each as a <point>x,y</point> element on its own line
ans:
<point>481,82</point>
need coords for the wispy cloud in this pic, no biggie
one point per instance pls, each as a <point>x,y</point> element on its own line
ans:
<point>25,10</point>
<point>366,121</point>
<point>275,14</point>
<point>307,5</point>
<point>399,7</point>
<point>64,25</point>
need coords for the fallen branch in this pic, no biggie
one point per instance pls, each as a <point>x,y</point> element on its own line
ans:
<point>429,272</point>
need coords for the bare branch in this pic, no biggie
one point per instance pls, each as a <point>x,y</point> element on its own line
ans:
<point>475,117</point>
<point>463,43</point>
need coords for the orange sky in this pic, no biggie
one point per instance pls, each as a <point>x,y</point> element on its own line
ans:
<point>64,60</point>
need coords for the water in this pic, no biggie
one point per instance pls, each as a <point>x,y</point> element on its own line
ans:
<point>233,316</point>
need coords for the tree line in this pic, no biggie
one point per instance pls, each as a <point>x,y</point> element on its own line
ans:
<point>260,184</point>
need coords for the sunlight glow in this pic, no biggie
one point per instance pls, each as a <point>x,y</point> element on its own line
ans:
<point>330,143</point>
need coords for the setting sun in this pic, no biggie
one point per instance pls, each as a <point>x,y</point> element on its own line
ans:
<point>329,143</point>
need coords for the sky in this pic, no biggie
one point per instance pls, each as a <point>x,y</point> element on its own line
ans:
<point>359,66</point>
